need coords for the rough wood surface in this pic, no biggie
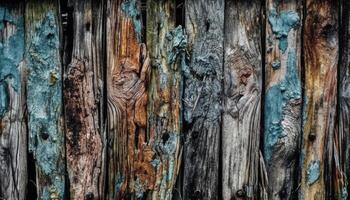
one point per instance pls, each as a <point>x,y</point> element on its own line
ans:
<point>321,58</point>
<point>242,95</point>
<point>83,102</point>
<point>283,96</point>
<point>131,173</point>
<point>166,45</point>
<point>202,98</point>
<point>44,97</point>
<point>13,139</point>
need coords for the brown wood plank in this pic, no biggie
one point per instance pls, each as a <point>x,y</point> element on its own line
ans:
<point>321,59</point>
<point>83,93</point>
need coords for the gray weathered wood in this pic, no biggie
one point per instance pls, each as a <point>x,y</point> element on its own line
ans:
<point>83,92</point>
<point>242,98</point>
<point>283,96</point>
<point>13,139</point>
<point>203,98</point>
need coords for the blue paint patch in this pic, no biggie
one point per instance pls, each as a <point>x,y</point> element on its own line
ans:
<point>313,172</point>
<point>44,100</point>
<point>130,8</point>
<point>11,55</point>
<point>118,184</point>
<point>276,64</point>
<point>277,98</point>
<point>281,24</point>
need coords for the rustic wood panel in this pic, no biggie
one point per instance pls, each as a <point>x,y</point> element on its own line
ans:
<point>13,139</point>
<point>242,99</point>
<point>131,173</point>
<point>342,138</point>
<point>83,92</point>
<point>283,96</point>
<point>202,98</point>
<point>44,97</point>
<point>166,46</point>
<point>321,58</point>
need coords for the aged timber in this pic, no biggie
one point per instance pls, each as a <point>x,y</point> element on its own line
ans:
<point>131,166</point>
<point>83,101</point>
<point>321,58</point>
<point>242,98</point>
<point>166,45</point>
<point>13,139</point>
<point>44,97</point>
<point>283,96</point>
<point>202,98</point>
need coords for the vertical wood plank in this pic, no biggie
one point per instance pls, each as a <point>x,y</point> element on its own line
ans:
<point>242,98</point>
<point>131,172</point>
<point>166,46</point>
<point>44,97</point>
<point>342,138</point>
<point>321,58</point>
<point>204,22</point>
<point>13,139</point>
<point>283,96</point>
<point>83,87</point>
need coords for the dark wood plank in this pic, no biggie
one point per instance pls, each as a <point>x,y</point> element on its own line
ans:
<point>283,96</point>
<point>166,45</point>
<point>321,59</point>
<point>13,138</point>
<point>242,100</point>
<point>44,97</point>
<point>83,104</point>
<point>203,98</point>
<point>131,173</point>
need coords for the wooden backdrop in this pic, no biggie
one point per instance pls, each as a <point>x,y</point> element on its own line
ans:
<point>174,99</point>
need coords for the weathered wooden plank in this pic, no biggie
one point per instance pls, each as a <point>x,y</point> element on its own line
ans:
<point>46,139</point>
<point>283,96</point>
<point>203,97</point>
<point>242,98</point>
<point>131,173</point>
<point>83,87</point>
<point>13,139</point>
<point>166,46</point>
<point>321,58</point>
<point>342,138</point>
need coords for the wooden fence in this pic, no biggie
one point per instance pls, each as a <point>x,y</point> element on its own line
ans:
<point>174,99</point>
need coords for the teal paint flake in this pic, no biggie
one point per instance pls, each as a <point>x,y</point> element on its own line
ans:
<point>281,24</point>
<point>11,55</point>
<point>313,172</point>
<point>130,8</point>
<point>277,98</point>
<point>276,64</point>
<point>44,100</point>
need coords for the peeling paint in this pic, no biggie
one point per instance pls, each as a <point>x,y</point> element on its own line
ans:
<point>44,102</point>
<point>178,44</point>
<point>11,55</point>
<point>281,24</point>
<point>313,171</point>
<point>276,64</point>
<point>277,98</point>
<point>130,8</point>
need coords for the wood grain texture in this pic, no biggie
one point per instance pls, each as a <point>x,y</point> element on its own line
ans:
<point>283,96</point>
<point>204,22</point>
<point>321,59</point>
<point>242,99</point>
<point>83,87</point>
<point>44,98</point>
<point>131,173</point>
<point>166,45</point>
<point>13,139</point>
<point>342,138</point>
